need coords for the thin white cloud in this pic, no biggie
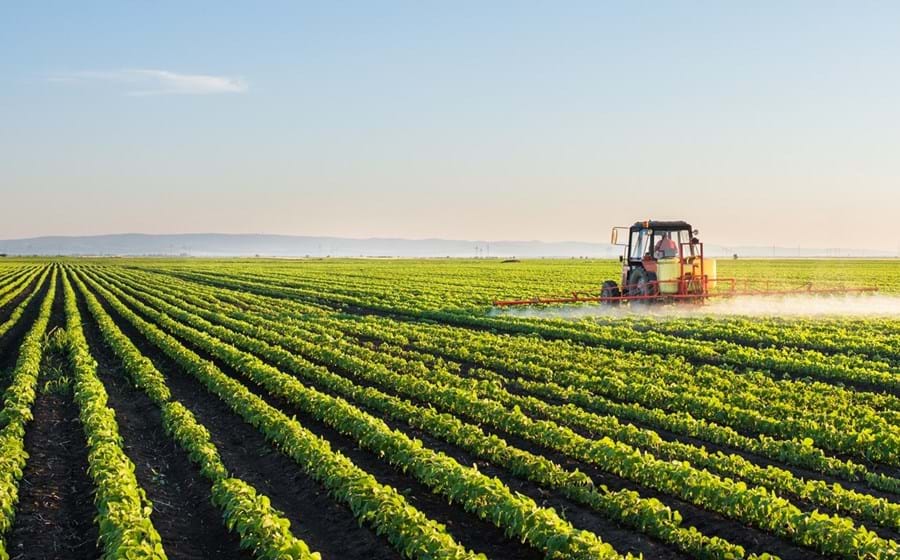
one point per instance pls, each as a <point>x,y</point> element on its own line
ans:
<point>144,81</point>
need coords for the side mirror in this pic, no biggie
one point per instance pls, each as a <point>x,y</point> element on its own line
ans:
<point>696,232</point>
<point>621,258</point>
<point>614,237</point>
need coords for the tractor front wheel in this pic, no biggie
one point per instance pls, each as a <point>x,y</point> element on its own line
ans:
<point>610,289</point>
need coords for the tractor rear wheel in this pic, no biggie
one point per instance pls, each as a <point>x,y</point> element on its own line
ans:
<point>642,283</point>
<point>610,289</point>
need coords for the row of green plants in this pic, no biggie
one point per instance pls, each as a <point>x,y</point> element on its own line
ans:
<point>643,387</point>
<point>488,498</point>
<point>817,492</point>
<point>625,506</point>
<point>410,301</point>
<point>752,505</point>
<point>855,430</point>
<point>263,530</point>
<point>123,510</point>
<point>19,310</point>
<point>796,451</point>
<point>17,413</point>
<point>14,284</point>
<point>412,533</point>
<point>872,348</point>
<point>782,361</point>
<point>863,434</point>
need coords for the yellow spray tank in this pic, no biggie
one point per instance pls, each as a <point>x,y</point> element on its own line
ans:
<point>694,269</point>
<point>668,272</point>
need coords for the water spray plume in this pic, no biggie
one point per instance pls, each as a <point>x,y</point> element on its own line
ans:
<point>862,306</point>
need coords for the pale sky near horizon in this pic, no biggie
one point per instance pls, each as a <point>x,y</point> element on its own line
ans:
<point>760,122</point>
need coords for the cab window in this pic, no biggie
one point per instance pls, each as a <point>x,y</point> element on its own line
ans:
<point>665,244</point>
<point>684,240</point>
<point>640,244</point>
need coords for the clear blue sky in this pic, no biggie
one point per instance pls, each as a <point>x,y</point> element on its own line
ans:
<point>760,122</point>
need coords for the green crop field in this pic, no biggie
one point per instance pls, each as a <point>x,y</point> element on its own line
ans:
<point>369,409</point>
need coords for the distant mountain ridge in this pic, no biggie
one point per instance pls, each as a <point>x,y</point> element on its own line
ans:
<point>248,245</point>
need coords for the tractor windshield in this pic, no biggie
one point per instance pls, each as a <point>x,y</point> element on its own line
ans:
<point>640,244</point>
<point>668,244</point>
<point>659,244</point>
<point>665,245</point>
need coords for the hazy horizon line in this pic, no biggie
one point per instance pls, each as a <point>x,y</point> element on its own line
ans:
<point>781,246</point>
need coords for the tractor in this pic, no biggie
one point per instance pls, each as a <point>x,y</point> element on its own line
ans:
<point>661,260</point>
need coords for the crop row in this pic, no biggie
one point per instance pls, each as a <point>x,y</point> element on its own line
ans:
<point>488,498</point>
<point>16,414</point>
<point>17,283</point>
<point>19,310</point>
<point>471,284</point>
<point>831,496</point>
<point>262,529</point>
<point>801,363</point>
<point>626,507</point>
<point>380,506</point>
<point>123,510</point>
<point>837,404</point>
<point>465,346</point>
<point>755,506</point>
<point>627,380</point>
<point>875,349</point>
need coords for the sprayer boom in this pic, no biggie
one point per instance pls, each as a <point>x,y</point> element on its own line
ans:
<point>586,297</point>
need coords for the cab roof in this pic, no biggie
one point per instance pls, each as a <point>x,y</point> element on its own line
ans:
<point>661,225</point>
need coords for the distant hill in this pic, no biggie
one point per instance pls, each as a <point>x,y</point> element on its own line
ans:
<point>242,245</point>
<point>245,245</point>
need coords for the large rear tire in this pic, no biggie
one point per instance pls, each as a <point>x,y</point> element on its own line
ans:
<point>642,283</point>
<point>610,289</point>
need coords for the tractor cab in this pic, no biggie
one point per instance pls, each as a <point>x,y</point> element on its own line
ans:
<point>660,258</point>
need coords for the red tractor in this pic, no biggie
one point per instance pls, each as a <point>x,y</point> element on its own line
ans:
<point>662,260</point>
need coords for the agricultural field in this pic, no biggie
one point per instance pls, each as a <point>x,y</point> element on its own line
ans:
<point>375,409</point>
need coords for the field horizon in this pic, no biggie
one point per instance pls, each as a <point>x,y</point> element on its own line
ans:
<point>238,245</point>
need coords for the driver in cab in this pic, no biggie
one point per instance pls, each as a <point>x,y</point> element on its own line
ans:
<point>665,248</point>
